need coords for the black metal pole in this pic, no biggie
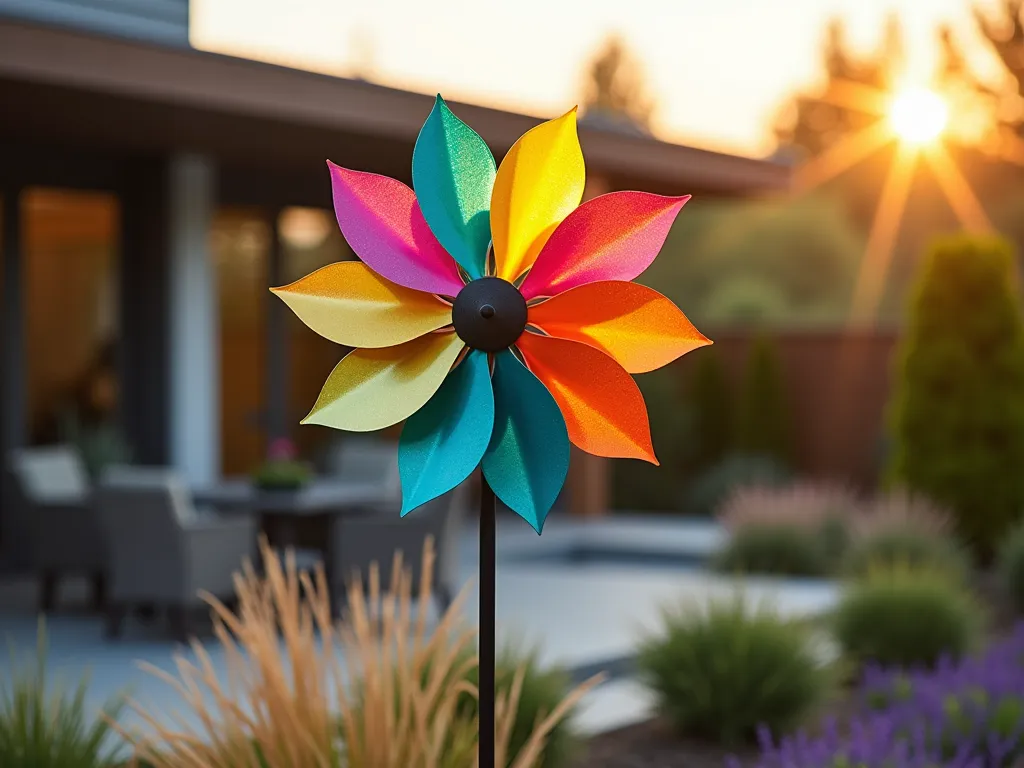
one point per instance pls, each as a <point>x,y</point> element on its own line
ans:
<point>487,629</point>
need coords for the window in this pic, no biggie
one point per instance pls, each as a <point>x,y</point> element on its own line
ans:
<point>70,274</point>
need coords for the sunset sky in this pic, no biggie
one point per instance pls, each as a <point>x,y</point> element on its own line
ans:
<point>719,69</point>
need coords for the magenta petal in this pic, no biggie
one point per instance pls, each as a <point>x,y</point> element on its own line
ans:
<point>381,220</point>
<point>612,237</point>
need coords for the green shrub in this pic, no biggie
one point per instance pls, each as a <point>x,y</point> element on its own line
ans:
<point>907,547</point>
<point>1011,568</point>
<point>901,509</point>
<point>958,410</point>
<point>722,671</point>
<point>899,615</point>
<point>543,689</point>
<point>762,427</point>
<point>283,475</point>
<point>774,549</point>
<point>821,511</point>
<point>835,538</point>
<point>713,487</point>
<point>52,729</point>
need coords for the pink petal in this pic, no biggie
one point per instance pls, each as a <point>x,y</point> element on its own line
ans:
<point>612,237</point>
<point>381,220</point>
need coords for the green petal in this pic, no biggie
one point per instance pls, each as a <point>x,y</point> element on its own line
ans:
<point>453,173</point>
<point>443,442</point>
<point>528,458</point>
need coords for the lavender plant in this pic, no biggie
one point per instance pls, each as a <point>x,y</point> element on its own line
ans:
<point>961,714</point>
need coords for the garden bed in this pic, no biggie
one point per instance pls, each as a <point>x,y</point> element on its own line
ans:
<point>652,744</point>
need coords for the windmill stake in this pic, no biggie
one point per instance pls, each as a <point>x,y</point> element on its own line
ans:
<point>487,628</point>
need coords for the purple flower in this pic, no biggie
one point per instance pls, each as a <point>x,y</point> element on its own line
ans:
<point>961,714</point>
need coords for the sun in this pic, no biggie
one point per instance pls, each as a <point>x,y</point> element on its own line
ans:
<point>918,115</point>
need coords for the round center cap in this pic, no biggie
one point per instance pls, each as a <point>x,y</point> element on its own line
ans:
<point>489,314</point>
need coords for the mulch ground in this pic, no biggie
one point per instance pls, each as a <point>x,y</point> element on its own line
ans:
<point>653,745</point>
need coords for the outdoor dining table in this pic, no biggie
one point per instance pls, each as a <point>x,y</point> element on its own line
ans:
<point>300,518</point>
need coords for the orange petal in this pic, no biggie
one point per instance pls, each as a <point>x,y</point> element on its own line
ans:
<point>602,405</point>
<point>641,329</point>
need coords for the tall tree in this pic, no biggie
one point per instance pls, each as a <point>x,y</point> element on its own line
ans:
<point>815,120</point>
<point>616,86</point>
<point>957,413</point>
<point>1005,34</point>
<point>975,104</point>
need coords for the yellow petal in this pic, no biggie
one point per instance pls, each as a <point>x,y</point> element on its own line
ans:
<point>539,183</point>
<point>374,388</point>
<point>350,304</point>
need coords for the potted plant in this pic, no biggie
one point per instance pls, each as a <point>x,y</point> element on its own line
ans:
<point>282,470</point>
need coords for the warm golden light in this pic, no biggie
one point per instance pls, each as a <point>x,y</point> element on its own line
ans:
<point>918,115</point>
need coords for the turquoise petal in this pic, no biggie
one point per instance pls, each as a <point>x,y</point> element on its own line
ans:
<point>443,442</point>
<point>528,458</point>
<point>452,174</point>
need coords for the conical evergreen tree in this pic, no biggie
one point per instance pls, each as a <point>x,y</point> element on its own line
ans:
<point>957,414</point>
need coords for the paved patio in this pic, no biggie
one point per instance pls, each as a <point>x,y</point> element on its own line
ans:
<point>584,592</point>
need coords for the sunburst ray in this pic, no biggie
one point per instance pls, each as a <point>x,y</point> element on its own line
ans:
<point>857,97</point>
<point>958,192</point>
<point>884,230</point>
<point>841,156</point>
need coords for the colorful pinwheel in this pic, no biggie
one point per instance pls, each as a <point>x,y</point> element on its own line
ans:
<point>493,313</point>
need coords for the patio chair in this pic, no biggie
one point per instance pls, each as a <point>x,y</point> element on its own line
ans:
<point>163,552</point>
<point>360,540</point>
<point>52,495</point>
<point>365,460</point>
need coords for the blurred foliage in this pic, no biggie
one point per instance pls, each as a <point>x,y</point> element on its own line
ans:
<point>821,117</point>
<point>282,475</point>
<point>901,615</point>
<point>543,689</point>
<point>1011,568</point>
<point>1004,32</point>
<point>46,724</point>
<point>710,394</point>
<point>816,120</point>
<point>642,486</point>
<point>710,489</point>
<point>908,547</point>
<point>784,550</point>
<point>722,671</point>
<point>787,263</point>
<point>802,528</point>
<point>615,93</point>
<point>958,402</point>
<point>763,416</point>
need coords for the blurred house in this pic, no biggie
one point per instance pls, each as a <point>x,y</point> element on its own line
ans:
<point>152,192</point>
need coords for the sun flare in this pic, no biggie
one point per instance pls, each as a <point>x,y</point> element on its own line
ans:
<point>917,120</point>
<point>918,115</point>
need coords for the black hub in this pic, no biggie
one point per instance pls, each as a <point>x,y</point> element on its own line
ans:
<point>489,314</point>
